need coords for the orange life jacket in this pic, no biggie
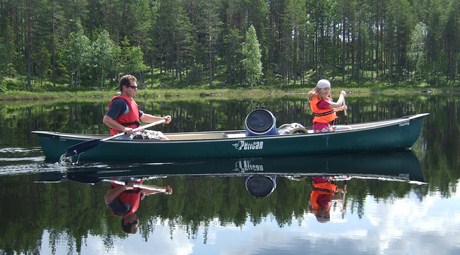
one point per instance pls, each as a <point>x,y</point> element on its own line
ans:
<point>321,115</point>
<point>131,119</point>
<point>323,188</point>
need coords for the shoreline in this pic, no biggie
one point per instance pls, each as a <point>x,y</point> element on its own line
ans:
<point>159,94</point>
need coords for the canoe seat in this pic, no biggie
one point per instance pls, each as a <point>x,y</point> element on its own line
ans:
<point>236,135</point>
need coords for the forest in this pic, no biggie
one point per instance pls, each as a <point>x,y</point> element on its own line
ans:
<point>88,44</point>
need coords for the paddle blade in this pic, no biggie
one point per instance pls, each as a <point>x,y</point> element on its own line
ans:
<point>81,147</point>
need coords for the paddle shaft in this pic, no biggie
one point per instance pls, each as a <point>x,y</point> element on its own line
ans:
<point>135,130</point>
<point>344,203</point>
<point>87,145</point>
<point>136,185</point>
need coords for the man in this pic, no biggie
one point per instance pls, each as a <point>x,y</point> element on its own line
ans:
<point>124,201</point>
<point>123,114</point>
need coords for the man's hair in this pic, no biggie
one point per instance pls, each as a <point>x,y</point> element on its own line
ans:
<point>127,227</point>
<point>127,80</point>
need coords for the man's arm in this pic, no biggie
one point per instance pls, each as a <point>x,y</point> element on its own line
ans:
<point>148,192</point>
<point>151,118</point>
<point>115,125</point>
<point>114,192</point>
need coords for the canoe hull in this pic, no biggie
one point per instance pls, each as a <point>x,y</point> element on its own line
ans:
<point>377,136</point>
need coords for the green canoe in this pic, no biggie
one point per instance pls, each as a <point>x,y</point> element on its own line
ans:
<point>373,136</point>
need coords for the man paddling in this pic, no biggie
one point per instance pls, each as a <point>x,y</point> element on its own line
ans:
<point>124,201</point>
<point>123,114</point>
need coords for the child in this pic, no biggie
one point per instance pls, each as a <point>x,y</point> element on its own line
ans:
<point>323,107</point>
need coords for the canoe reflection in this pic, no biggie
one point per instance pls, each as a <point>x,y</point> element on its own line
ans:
<point>391,165</point>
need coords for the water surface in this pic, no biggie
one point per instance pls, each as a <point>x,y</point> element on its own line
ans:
<point>393,214</point>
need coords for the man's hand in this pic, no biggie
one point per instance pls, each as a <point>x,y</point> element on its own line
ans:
<point>167,119</point>
<point>128,130</point>
<point>169,190</point>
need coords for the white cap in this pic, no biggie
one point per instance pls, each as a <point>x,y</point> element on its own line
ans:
<point>323,83</point>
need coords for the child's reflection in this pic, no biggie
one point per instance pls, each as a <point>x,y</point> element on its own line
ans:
<point>321,197</point>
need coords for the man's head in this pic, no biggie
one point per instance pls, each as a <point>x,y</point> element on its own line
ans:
<point>130,224</point>
<point>128,83</point>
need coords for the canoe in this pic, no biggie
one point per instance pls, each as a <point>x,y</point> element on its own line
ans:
<point>400,165</point>
<point>399,133</point>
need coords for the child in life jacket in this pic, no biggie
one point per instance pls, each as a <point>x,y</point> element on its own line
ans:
<point>324,108</point>
<point>324,191</point>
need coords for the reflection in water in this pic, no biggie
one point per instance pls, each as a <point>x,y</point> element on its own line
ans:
<point>395,165</point>
<point>260,186</point>
<point>124,199</point>
<point>324,192</point>
<point>200,205</point>
<point>261,175</point>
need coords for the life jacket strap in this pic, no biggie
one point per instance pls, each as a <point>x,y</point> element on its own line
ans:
<point>137,123</point>
<point>323,190</point>
<point>323,113</point>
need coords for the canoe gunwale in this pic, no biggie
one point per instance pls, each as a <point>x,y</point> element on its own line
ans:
<point>234,134</point>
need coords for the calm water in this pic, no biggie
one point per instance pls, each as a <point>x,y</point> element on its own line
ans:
<point>411,207</point>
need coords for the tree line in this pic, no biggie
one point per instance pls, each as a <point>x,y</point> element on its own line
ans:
<point>224,43</point>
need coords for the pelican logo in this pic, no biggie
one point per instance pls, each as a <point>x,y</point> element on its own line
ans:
<point>242,145</point>
<point>247,166</point>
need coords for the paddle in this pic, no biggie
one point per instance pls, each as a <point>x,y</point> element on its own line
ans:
<point>345,111</point>
<point>141,186</point>
<point>87,145</point>
<point>344,203</point>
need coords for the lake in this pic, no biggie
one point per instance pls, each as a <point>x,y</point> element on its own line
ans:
<point>404,202</point>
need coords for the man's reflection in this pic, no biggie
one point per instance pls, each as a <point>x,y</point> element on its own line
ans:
<point>323,194</point>
<point>124,200</point>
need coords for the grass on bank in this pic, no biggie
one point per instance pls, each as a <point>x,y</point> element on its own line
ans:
<point>12,91</point>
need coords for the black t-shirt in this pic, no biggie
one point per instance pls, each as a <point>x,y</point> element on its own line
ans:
<point>119,208</point>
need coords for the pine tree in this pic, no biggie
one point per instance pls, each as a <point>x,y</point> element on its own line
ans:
<point>252,64</point>
<point>417,49</point>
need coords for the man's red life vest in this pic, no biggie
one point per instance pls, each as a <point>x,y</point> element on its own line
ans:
<point>131,119</point>
<point>131,198</point>
<point>321,115</point>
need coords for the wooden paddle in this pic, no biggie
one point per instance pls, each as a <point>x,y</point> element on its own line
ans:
<point>87,145</point>
<point>140,186</point>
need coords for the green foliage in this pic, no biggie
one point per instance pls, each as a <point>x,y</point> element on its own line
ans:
<point>252,64</point>
<point>417,50</point>
<point>195,43</point>
<point>131,59</point>
<point>105,55</point>
<point>77,54</point>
